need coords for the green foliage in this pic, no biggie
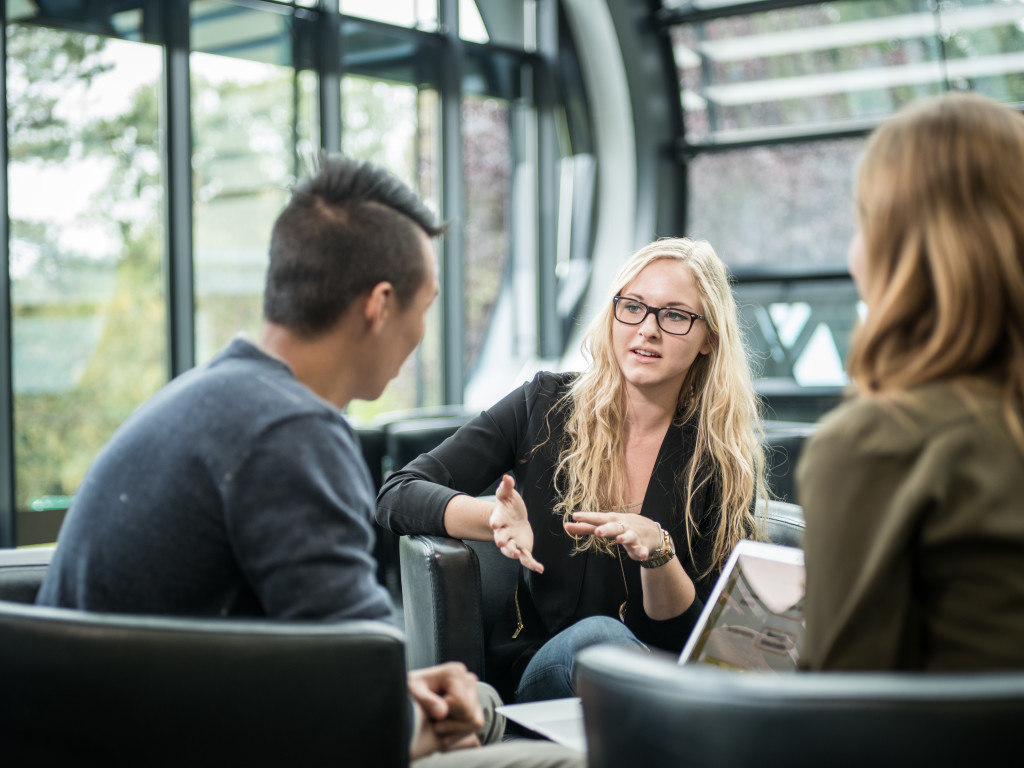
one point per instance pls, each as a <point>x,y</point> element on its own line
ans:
<point>114,284</point>
<point>43,66</point>
<point>89,312</point>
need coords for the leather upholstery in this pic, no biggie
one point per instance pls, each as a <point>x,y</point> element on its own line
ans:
<point>371,444</point>
<point>100,689</point>
<point>784,522</point>
<point>390,445</point>
<point>453,591</point>
<point>22,572</point>
<point>407,439</point>
<point>642,709</point>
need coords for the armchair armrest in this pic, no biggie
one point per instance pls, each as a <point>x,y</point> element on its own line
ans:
<point>22,572</point>
<point>453,592</point>
<point>441,596</point>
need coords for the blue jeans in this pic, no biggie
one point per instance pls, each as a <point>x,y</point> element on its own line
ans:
<point>549,674</point>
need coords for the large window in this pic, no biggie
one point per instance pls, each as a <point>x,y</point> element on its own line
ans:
<point>151,147</point>
<point>86,250</point>
<point>781,205</point>
<point>252,118</point>
<point>777,101</point>
<point>835,65</point>
<point>394,124</point>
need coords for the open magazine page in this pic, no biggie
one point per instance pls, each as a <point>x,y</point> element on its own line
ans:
<point>560,720</point>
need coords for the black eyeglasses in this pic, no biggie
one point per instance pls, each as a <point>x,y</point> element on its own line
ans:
<point>673,320</point>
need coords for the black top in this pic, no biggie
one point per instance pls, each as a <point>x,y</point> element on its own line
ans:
<point>573,586</point>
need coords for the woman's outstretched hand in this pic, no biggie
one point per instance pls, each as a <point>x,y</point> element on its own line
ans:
<point>512,532</point>
<point>638,535</point>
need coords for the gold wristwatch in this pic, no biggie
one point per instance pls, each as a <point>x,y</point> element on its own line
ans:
<point>660,556</point>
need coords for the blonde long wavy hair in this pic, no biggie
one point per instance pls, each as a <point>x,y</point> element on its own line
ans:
<point>940,195</point>
<point>718,393</point>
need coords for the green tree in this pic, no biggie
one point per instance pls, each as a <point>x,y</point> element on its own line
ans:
<point>94,281</point>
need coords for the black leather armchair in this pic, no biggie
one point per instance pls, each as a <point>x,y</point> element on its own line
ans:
<point>103,689</point>
<point>642,709</point>
<point>453,590</point>
<point>390,443</point>
<point>22,572</point>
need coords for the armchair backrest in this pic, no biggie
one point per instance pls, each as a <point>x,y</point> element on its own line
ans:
<point>784,522</point>
<point>95,689</point>
<point>643,709</point>
<point>406,439</point>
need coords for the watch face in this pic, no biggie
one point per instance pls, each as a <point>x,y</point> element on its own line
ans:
<point>661,556</point>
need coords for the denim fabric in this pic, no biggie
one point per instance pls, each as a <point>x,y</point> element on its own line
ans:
<point>549,675</point>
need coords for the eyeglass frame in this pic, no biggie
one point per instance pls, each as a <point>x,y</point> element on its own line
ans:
<point>656,311</point>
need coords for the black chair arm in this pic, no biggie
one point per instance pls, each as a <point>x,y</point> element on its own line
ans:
<point>441,596</point>
<point>22,572</point>
<point>108,689</point>
<point>645,709</point>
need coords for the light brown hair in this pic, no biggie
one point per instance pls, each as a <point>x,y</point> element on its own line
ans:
<point>940,197</point>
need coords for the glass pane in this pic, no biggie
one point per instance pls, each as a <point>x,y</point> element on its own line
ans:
<point>487,157</point>
<point>404,13</point>
<point>499,21</point>
<point>389,54</point>
<point>826,65</point>
<point>798,330</point>
<point>87,248</point>
<point>251,119</point>
<point>983,43</point>
<point>489,72</point>
<point>777,205</point>
<point>229,29</point>
<point>396,126</point>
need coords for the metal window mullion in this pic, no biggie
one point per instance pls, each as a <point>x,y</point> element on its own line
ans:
<point>547,180</point>
<point>7,502</point>
<point>452,206</point>
<point>177,125</point>
<point>688,14</point>
<point>328,61</point>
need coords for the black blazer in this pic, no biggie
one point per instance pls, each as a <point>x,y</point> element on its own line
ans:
<point>502,440</point>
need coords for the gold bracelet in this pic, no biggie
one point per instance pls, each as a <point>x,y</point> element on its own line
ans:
<point>660,557</point>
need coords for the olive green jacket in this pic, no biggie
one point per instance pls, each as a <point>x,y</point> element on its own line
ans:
<point>915,534</point>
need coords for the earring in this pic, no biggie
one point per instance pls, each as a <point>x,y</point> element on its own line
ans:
<point>691,395</point>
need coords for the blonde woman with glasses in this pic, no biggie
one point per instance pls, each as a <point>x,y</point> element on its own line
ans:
<point>913,491</point>
<point>633,479</point>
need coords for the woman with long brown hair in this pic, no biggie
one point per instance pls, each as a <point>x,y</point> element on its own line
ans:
<point>913,490</point>
<point>633,479</point>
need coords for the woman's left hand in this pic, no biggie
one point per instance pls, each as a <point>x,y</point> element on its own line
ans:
<point>638,535</point>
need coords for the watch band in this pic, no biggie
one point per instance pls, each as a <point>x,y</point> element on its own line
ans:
<point>661,556</point>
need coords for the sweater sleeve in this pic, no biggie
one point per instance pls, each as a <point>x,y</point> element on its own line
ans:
<point>299,516</point>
